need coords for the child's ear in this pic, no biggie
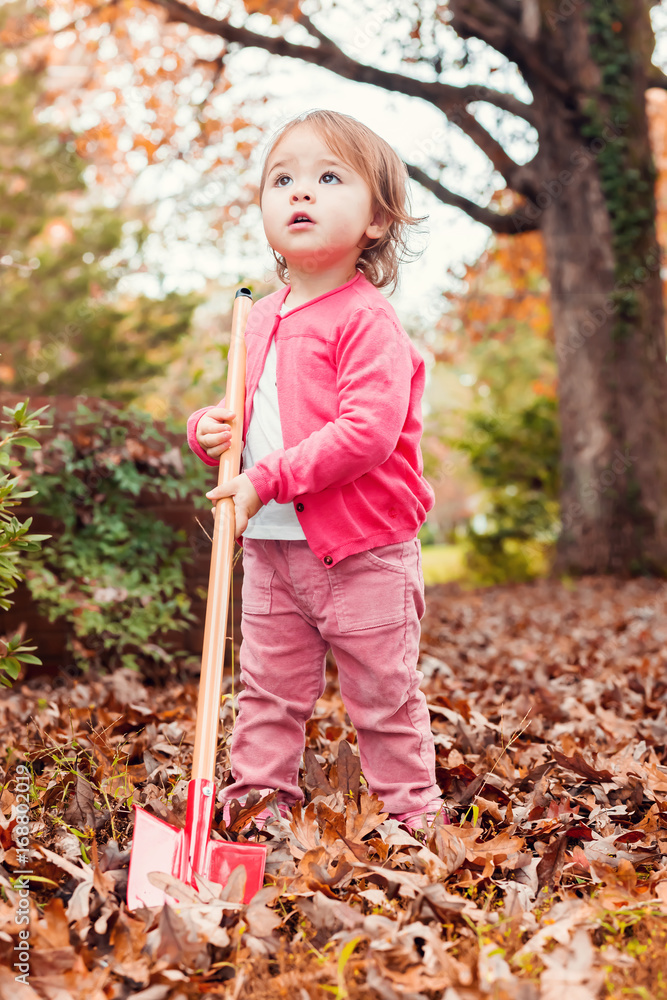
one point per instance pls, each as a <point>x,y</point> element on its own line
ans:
<point>377,226</point>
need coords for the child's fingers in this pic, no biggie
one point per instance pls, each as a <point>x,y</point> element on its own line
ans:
<point>219,438</point>
<point>219,414</point>
<point>234,488</point>
<point>218,492</point>
<point>240,516</point>
<point>212,428</point>
<point>215,419</point>
<point>218,449</point>
<point>216,436</point>
<point>240,521</point>
<point>211,425</point>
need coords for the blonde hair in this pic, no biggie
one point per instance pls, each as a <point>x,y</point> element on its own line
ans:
<point>384,172</point>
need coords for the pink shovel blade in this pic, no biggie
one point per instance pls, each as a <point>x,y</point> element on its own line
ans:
<point>159,847</point>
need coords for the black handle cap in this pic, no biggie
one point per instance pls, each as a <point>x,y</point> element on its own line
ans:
<point>243,291</point>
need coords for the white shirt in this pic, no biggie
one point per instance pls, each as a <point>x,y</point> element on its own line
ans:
<point>264,435</point>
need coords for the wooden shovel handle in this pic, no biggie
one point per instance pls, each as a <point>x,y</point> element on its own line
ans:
<point>219,580</point>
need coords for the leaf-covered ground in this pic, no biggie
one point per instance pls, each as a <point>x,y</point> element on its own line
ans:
<point>550,716</point>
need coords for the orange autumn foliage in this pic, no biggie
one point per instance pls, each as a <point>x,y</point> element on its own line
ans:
<point>656,108</point>
<point>507,286</point>
<point>142,112</point>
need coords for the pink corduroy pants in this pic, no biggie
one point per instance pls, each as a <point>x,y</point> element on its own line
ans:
<point>367,609</point>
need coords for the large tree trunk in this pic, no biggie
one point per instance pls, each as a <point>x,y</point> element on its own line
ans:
<point>612,368</point>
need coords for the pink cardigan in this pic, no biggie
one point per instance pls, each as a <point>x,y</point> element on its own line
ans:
<point>350,384</point>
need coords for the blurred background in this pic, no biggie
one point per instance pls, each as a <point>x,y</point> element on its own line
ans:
<point>131,137</point>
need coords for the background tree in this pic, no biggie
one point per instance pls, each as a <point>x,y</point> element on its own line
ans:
<point>491,396</point>
<point>493,384</point>
<point>64,328</point>
<point>585,66</point>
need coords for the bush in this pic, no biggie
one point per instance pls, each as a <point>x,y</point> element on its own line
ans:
<point>517,458</point>
<point>15,537</point>
<point>510,432</point>
<point>114,570</point>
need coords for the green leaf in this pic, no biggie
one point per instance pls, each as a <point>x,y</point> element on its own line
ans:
<point>28,658</point>
<point>20,410</point>
<point>11,666</point>
<point>24,495</point>
<point>27,442</point>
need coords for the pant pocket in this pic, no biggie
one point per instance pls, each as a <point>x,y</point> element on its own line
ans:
<point>420,591</point>
<point>368,588</point>
<point>257,578</point>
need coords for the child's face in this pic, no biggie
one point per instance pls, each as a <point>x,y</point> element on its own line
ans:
<point>304,177</point>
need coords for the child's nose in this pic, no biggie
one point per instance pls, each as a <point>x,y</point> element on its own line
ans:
<point>300,194</point>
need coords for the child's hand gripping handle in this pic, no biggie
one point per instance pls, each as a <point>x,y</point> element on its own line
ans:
<point>230,460</point>
<point>215,628</point>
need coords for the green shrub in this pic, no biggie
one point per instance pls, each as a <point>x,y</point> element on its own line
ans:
<point>114,570</point>
<point>15,537</point>
<point>516,455</point>
<point>508,428</point>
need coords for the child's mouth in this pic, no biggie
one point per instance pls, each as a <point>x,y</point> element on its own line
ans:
<point>300,221</point>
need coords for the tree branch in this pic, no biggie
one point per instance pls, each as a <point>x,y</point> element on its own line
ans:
<point>504,33</point>
<point>515,222</point>
<point>513,8</point>
<point>330,56</point>
<point>450,100</point>
<point>656,78</point>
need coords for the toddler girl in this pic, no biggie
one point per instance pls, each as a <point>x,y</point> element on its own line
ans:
<point>332,495</point>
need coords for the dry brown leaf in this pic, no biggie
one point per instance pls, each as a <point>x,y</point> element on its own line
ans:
<point>593,689</point>
<point>81,812</point>
<point>315,779</point>
<point>348,771</point>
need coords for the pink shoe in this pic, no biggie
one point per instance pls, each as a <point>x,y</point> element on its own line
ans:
<point>422,820</point>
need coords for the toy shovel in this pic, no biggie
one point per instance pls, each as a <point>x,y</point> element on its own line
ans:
<point>157,846</point>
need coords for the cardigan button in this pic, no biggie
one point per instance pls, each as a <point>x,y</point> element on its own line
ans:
<point>299,506</point>
<point>327,560</point>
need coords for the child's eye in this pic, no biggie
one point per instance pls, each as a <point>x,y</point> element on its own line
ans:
<point>330,174</point>
<point>283,177</point>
